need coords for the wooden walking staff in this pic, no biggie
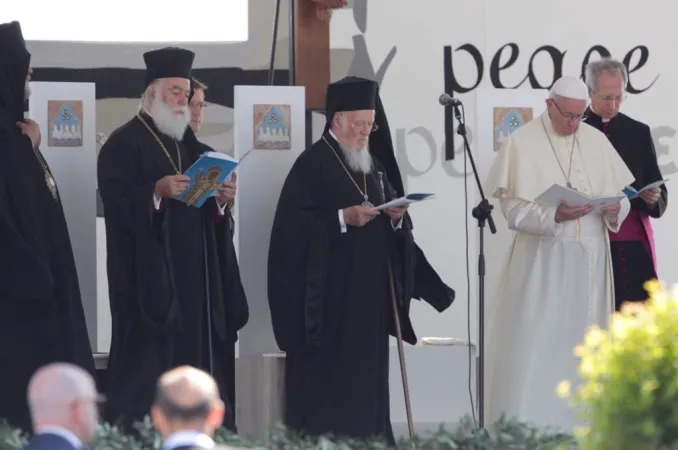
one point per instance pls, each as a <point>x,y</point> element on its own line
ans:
<point>401,354</point>
<point>399,333</point>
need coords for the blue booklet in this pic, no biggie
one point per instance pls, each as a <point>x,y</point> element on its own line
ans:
<point>206,174</point>
<point>631,193</point>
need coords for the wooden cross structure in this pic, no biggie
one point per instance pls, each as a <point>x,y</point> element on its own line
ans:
<point>310,50</point>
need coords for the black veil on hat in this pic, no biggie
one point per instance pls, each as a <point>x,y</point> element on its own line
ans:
<point>14,63</point>
<point>168,62</point>
<point>355,94</point>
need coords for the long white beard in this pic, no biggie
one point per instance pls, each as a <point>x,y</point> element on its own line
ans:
<point>357,160</point>
<point>27,91</point>
<point>168,122</point>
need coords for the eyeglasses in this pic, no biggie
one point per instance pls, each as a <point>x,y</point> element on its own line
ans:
<point>570,116</point>
<point>371,126</point>
<point>199,105</point>
<point>98,400</point>
<point>611,98</point>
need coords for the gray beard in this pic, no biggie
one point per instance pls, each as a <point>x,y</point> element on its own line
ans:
<point>358,160</point>
<point>27,91</point>
<point>173,125</point>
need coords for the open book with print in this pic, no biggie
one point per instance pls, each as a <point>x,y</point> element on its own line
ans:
<point>632,193</point>
<point>557,193</point>
<point>406,200</point>
<point>206,174</point>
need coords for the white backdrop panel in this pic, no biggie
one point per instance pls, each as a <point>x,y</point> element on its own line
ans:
<point>74,168</point>
<point>260,178</point>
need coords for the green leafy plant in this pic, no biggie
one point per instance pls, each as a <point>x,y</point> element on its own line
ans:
<point>504,435</point>
<point>628,396</point>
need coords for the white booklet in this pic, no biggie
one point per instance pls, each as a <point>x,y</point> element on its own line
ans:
<point>631,193</point>
<point>406,200</point>
<point>557,193</point>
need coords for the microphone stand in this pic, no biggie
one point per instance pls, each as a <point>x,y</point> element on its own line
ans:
<point>482,213</point>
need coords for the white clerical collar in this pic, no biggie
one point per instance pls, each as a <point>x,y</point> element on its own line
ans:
<point>62,432</point>
<point>334,136</point>
<point>188,438</point>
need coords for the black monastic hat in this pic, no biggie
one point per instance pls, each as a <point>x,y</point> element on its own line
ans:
<point>355,94</point>
<point>350,94</point>
<point>14,63</point>
<point>168,62</point>
<point>11,35</point>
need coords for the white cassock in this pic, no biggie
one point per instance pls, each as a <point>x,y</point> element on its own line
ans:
<point>557,280</point>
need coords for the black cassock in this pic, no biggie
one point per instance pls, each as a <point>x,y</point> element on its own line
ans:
<point>632,261</point>
<point>156,273</point>
<point>41,313</point>
<point>329,295</point>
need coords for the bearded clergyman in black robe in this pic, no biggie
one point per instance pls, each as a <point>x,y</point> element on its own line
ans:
<point>633,252</point>
<point>332,263</point>
<point>41,314</point>
<point>174,282</point>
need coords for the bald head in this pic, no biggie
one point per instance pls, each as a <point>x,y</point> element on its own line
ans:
<point>186,393</point>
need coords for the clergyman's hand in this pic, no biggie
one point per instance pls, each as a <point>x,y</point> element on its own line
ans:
<point>564,212</point>
<point>358,216</point>
<point>611,211</point>
<point>651,196</point>
<point>226,190</point>
<point>31,129</point>
<point>171,185</point>
<point>396,212</point>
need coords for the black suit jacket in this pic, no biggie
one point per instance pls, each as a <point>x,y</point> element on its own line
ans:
<point>633,141</point>
<point>48,441</point>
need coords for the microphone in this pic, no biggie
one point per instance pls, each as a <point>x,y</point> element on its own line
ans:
<point>448,100</point>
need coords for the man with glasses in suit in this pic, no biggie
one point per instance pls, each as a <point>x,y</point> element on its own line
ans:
<point>64,406</point>
<point>632,247</point>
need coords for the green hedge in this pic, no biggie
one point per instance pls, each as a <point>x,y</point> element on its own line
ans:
<point>504,435</point>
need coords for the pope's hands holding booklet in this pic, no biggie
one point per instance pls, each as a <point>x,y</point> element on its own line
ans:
<point>572,204</point>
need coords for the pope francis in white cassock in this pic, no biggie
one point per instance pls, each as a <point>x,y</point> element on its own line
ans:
<point>557,279</point>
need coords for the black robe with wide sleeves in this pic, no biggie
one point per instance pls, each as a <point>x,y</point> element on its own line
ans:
<point>41,314</point>
<point>329,296</point>
<point>633,262</point>
<point>158,285</point>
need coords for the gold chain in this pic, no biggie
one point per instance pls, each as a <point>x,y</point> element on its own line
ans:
<point>363,193</point>
<point>49,178</point>
<point>177,170</point>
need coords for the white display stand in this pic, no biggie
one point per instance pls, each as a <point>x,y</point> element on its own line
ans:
<point>66,114</point>
<point>438,378</point>
<point>260,179</point>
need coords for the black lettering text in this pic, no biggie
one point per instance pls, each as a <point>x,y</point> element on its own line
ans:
<point>644,56</point>
<point>602,51</point>
<point>496,65</point>
<point>557,59</point>
<point>480,68</point>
